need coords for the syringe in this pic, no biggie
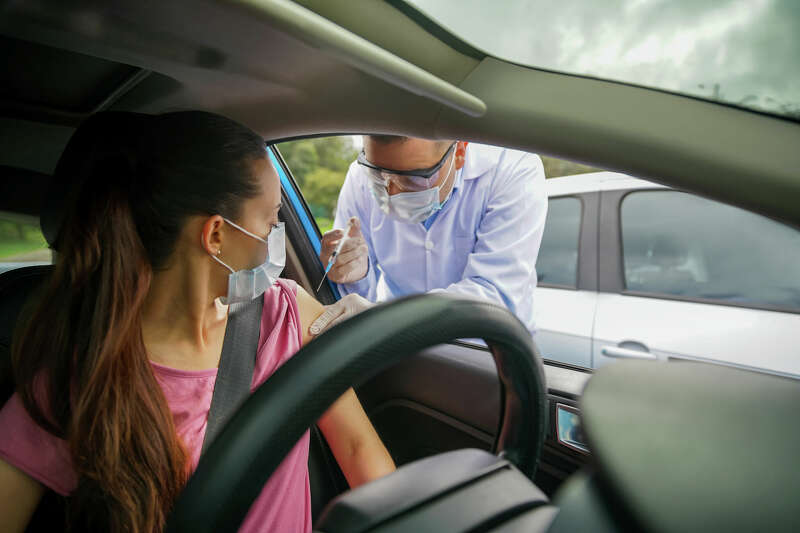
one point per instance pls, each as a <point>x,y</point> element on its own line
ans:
<point>335,254</point>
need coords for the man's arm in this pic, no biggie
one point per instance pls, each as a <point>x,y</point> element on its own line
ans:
<point>353,202</point>
<point>502,264</point>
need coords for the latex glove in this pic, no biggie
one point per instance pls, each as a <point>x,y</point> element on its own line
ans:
<point>350,305</point>
<point>353,260</point>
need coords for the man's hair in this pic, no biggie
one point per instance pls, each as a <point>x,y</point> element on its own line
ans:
<point>388,139</point>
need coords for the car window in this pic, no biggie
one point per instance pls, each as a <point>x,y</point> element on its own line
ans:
<point>558,255</point>
<point>481,240</point>
<point>681,245</point>
<point>21,242</point>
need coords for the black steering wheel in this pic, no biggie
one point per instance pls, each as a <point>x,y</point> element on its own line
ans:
<point>238,463</point>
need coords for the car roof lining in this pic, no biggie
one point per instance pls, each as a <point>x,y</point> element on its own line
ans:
<point>271,82</point>
<point>85,85</point>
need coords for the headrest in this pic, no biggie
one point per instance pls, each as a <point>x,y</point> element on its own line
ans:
<point>22,190</point>
<point>102,135</point>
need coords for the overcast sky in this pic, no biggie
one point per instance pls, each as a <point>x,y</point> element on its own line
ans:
<point>749,48</point>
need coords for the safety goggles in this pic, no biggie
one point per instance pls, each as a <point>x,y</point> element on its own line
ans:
<point>405,180</point>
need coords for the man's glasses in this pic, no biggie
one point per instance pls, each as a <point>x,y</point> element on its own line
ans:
<point>405,180</point>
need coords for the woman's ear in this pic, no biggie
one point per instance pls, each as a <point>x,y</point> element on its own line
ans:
<point>211,236</point>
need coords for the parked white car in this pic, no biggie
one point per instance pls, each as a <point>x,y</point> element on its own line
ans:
<point>632,269</point>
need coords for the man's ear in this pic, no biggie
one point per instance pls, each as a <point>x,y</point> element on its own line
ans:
<point>461,153</point>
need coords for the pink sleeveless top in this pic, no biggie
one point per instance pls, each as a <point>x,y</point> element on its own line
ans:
<point>285,501</point>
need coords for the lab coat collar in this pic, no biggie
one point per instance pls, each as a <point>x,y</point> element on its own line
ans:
<point>478,160</point>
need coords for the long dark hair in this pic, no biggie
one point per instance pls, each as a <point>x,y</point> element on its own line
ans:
<point>80,363</point>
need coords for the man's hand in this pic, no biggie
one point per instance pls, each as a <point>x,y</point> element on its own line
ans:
<point>352,263</point>
<point>350,305</point>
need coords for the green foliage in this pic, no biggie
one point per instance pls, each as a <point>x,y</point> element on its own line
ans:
<point>10,250</point>
<point>319,166</point>
<point>325,224</point>
<point>322,190</point>
<point>19,238</point>
<point>15,231</point>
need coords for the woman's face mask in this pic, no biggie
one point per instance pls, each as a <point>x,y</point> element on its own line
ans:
<point>245,285</point>
<point>411,207</point>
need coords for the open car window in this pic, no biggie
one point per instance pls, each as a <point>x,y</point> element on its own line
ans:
<point>482,241</point>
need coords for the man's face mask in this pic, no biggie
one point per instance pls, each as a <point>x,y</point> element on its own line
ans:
<point>412,206</point>
<point>245,285</point>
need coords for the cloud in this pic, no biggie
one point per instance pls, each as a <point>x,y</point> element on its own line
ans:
<point>743,52</point>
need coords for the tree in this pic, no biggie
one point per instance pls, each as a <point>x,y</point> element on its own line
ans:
<point>301,158</point>
<point>319,166</point>
<point>322,191</point>
<point>335,153</point>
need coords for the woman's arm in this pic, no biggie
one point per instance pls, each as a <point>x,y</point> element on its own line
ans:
<point>19,496</point>
<point>355,443</point>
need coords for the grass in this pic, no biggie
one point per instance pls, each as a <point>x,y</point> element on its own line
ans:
<point>9,249</point>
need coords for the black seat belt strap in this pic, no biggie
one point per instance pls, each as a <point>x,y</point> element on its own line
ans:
<point>236,365</point>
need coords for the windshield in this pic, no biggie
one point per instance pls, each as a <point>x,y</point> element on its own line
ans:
<point>739,52</point>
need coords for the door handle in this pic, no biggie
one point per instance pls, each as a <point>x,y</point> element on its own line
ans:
<point>625,353</point>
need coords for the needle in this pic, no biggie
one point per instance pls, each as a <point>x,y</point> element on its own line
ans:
<point>335,254</point>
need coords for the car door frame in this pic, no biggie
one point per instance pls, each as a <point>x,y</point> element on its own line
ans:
<point>611,275</point>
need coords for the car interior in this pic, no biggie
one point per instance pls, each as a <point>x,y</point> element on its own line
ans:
<point>473,429</point>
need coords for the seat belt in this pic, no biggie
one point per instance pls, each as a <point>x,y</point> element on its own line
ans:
<point>236,365</point>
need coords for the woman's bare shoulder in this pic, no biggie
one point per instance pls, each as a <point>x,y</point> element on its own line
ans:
<point>19,496</point>
<point>309,309</point>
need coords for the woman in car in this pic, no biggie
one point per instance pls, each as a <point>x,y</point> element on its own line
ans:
<point>116,362</point>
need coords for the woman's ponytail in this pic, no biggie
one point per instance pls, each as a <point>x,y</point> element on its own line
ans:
<point>81,363</point>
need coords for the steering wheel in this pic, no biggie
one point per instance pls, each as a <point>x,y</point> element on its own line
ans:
<point>238,463</point>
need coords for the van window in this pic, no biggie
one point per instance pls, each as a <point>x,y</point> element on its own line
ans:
<point>557,263</point>
<point>681,245</point>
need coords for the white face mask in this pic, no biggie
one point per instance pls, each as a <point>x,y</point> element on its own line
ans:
<point>245,285</point>
<point>411,207</point>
